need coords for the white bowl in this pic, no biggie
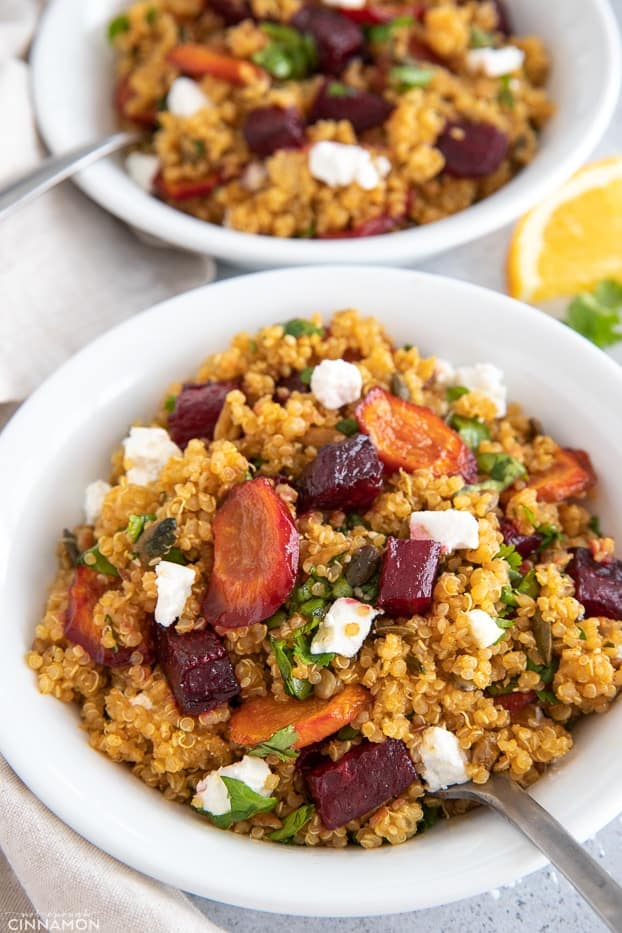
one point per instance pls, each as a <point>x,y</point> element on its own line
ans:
<point>62,438</point>
<point>72,81</point>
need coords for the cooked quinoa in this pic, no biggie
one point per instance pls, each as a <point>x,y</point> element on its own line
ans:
<point>441,102</point>
<point>511,705</point>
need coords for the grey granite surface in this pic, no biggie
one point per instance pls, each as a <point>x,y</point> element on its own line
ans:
<point>543,902</point>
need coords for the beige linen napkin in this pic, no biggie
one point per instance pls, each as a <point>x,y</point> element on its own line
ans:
<point>68,272</point>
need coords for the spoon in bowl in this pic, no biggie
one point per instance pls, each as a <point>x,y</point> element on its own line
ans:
<point>602,893</point>
<point>55,169</point>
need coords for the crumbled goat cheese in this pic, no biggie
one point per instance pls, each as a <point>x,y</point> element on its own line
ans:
<point>94,496</point>
<point>142,167</point>
<point>344,628</point>
<point>339,164</point>
<point>495,63</point>
<point>141,699</point>
<point>212,794</point>
<point>484,629</point>
<point>174,585</point>
<point>146,451</point>
<point>485,378</point>
<point>443,759</point>
<point>186,98</point>
<point>452,528</point>
<point>336,382</point>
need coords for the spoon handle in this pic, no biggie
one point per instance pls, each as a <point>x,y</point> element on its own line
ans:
<point>55,169</point>
<point>598,888</point>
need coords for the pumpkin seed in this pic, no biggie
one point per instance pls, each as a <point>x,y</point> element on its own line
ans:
<point>156,540</point>
<point>363,565</point>
<point>543,636</point>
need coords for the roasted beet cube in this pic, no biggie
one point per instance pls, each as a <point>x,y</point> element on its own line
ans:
<point>515,702</point>
<point>267,129</point>
<point>232,11</point>
<point>287,385</point>
<point>472,149</point>
<point>196,411</point>
<point>597,584</point>
<point>366,777</point>
<point>337,38</point>
<point>408,573</point>
<point>336,101</point>
<point>345,475</point>
<point>197,668</point>
<point>524,544</point>
<point>504,23</point>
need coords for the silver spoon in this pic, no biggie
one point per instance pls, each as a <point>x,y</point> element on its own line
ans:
<point>602,893</point>
<point>55,169</point>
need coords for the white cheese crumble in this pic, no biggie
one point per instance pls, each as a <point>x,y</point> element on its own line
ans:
<point>146,451</point>
<point>142,167</point>
<point>495,63</point>
<point>141,699</point>
<point>347,4</point>
<point>452,528</point>
<point>185,98</point>
<point>336,382</point>
<point>253,176</point>
<point>487,379</point>
<point>443,371</point>
<point>484,629</point>
<point>174,585</point>
<point>443,759</point>
<point>212,793</point>
<point>344,628</point>
<point>338,164</point>
<point>94,496</point>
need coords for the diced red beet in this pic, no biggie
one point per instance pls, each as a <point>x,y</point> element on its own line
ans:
<point>597,584</point>
<point>337,38</point>
<point>196,411</point>
<point>197,667</point>
<point>472,150</point>
<point>504,23</point>
<point>338,102</point>
<point>515,702</point>
<point>524,544</point>
<point>344,475</point>
<point>286,386</point>
<point>375,226</point>
<point>367,776</point>
<point>86,588</point>
<point>423,53</point>
<point>232,11</point>
<point>409,570</point>
<point>267,129</point>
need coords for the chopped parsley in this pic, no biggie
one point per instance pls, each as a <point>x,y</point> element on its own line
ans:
<point>176,556</point>
<point>117,26</point>
<point>430,818</point>
<point>280,744</point>
<point>293,823</point>
<point>480,38</point>
<point>136,524</point>
<point>348,426</point>
<point>337,89</point>
<point>546,671</point>
<point>289,55</point>
<point>95,560</point>
<point>594,525</point>
<point>297,688</point>
<point>529,585</point>
<point>502,469</point>
<point>169,403</point>
<point>244,801</point>
<point>504,623</point>
<point>505,95</point>
<point>405,77</point>
<point>347,733</point>
<point>596,314</point>
<point>471,430</point>
<point>508,597</point>
<point>453,393</point>
<point>508,553</point>
<point>298,327</point>
<point>582,634</point>
<point>546,696</point>
<point>276,620</point>
<point>151,16</point>
<point>382,32</point>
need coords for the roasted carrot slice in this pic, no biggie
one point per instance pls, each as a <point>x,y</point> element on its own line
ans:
<point>182,190</point>
<point>255,556</point>
<point>410,437</point>
<point>570,474</point>
<point>197,60</point>
<point>86,588</point>
<point>313,719</point>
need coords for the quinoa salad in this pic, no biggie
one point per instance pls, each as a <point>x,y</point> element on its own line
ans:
<point>329,578</point>
<point>337,119</point>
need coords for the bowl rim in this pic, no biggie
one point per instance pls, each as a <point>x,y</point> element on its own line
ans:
<point>101,181</point>
<point>518,856</point>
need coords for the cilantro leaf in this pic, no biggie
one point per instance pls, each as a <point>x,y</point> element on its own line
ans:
<point>136,524</point>
<point>95,560</point>
<point>175,556</point>
<point>582,634</point>
<point>305,375</point>
<point>297,688</point>
<point>502,469</point>
<point>546,696</point>
<point>508,597</point>
<point>382,32</point>
<point>298,327</point>
<point>245,802</point>
<point>117,26</point>
<point>348,426</point>
<point>471,430</point>
<point>293,823</point>
<point>346,733</point>
<point>302,650</point>
<point>405,77</point>
<point>594,525</point>
<point>480,38</point>
<point>550,535</point>
<point>453,393</point>
<point>280,744</point>
<point>546,671</point>
<point>596,315</point>
<point>290,54</point>
<point>505,623</point>
<point>431,816</point>
<point>508,553</point>
<point>505,95</point>
<point>529,585</point>
<point>337,89</point>
<point>169,403</point>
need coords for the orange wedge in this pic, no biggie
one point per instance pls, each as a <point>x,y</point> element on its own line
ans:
<point>571,240</point>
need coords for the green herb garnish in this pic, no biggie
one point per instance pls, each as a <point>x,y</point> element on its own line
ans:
<point>480,38</point>
<point>245,803</point>
<point>582,634</point>
<point>596,315</point>
<point>528,586</point>
<point>280,744</point>
<point>169,403</point>
<point>405,77</point>
<point>505,623</point>
<point>341,588</point>
<point>151,16</point>
<point>293,823</point>
<point>276,620</point>
<point>95,560</point>
<point>297,688</point>
<point>347,733</point>
<point>502,469</point>
<point>471,430</point>
<point>546,671</point>
<point>382,32</point>
<point>594,525</point>
<point>175,556</point>
<point>337,89</point>
<point>298,327</point>
<point>550,535</point>
<point>508,597</point>
<point>118,25</point>
<point>348,426</point>
<point>302,650</point>
<point>136,524</point>
<point>502,690</point>
<point>505,95</point>
<point>453,393</point>
<point>430,818</point>
<point>290,55</point>
<point>508,553</point>
<point>546,696</point>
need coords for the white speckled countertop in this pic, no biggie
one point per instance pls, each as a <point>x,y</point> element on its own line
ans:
<point>543,902</point>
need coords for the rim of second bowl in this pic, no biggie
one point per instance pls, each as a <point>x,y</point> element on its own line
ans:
<point>107,184</point>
